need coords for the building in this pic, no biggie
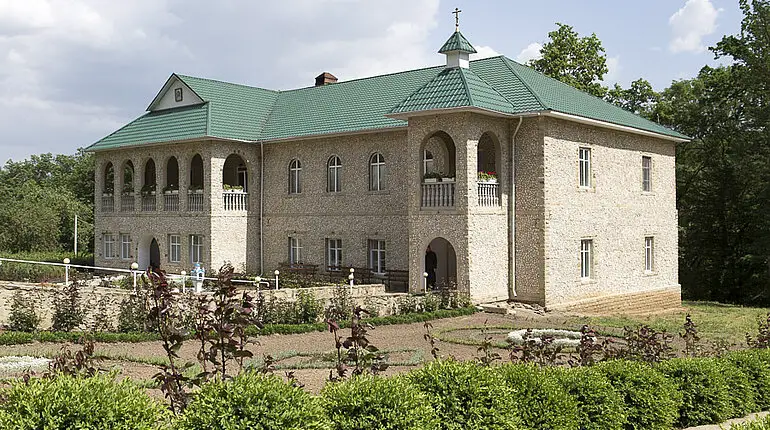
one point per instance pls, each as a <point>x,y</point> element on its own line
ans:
<point>524,187</point>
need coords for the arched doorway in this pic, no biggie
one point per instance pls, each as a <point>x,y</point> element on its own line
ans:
<point>446,264</point>
<point>438,171</point>
<point>488,166</point>
<point>154,254</point>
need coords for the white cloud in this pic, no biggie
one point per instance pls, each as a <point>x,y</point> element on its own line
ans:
<point>690,24</point>
<point>531,52</point>
<point>484,52</point>
<point>613,70</point>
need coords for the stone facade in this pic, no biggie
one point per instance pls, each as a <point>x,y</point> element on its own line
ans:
<point>520,242</point>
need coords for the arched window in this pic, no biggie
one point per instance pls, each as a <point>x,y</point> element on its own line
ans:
<point>427,162</point>
<point>196,173</point>
<point>172,175</point>
<point>128,178</point>
<point>376,172</point>
<point>295,177</point>
<point>109,179</point>
<point>333,171</point>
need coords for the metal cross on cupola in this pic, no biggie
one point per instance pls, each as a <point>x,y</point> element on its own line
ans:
<point>457,48</point>
<point>457,19</point>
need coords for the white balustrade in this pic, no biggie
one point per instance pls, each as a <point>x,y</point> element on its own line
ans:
<point>127,203</point>
<point>438,194</point>
<point>488,195</point>
<point>235,201</point>
<point>171,202</point>
<point>195,202</point>
<point>148,203</point>
<point>108,204</point>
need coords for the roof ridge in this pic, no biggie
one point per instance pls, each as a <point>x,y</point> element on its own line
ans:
<point>505,61</point>
<point>360,79</point>
<point>465,84</point>
<point>226,82</point>
<point>493,89</point>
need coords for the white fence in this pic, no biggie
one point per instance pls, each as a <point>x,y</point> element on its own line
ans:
<point>488,194</point>
<point>438,194</point>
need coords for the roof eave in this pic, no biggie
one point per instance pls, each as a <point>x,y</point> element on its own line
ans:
<point>406,115</point>
<point>612,126</point>
<point>167,142</point>
<point>335,134</point>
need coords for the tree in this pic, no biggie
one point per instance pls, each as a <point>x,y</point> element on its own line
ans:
<point>640,98</point>
<point>574,60</point>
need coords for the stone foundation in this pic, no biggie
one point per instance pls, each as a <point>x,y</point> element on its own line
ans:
<point>641,303</point>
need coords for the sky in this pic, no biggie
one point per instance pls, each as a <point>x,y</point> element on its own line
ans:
<point>73,71</point>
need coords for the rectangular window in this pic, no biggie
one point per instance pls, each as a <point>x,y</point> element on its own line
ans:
<point>584,158</point>
<point>377,256</point>
<point>125,246</point>
<point>295,250</point>
<point>646,173</point>
<point>196,248</point>
<point>333,254</point>
<point>109,246</point>
<point>649,254</point>
<point>586,258</point>
<point>174,248</point>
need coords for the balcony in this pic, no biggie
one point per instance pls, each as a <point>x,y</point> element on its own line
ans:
<point>488,194</point>
<point>127,202</point>
<point>195,201</point>
<point>148,203</point>
<point>108,203</point>
<point>235,200</point>
<point>438,194</point>
<point>171,202</point>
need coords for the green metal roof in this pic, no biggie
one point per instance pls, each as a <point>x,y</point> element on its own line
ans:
<point>452,88</point>
<point>457,42</point>
<point>231,111</point>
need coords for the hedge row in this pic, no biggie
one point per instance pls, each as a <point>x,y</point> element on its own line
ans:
<point>441,395</point>
<point>18,338</point>
<point>10,271</point>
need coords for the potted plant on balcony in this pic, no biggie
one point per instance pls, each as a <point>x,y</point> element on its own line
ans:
<point>195,189</point>
<point>488,177</point>
<point>128,190</point>
<point>232,188</point>
<point>148,190</point>
<point>171,189</point>
<point>108,190</point>
<point>431,177</point>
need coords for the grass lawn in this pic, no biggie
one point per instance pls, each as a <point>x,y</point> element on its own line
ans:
<point>715,321</point>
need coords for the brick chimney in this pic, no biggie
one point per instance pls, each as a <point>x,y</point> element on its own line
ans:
<point>325,78</point>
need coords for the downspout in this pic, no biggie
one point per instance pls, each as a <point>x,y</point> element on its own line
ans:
<point>261,207</point>
<point>512,215</point>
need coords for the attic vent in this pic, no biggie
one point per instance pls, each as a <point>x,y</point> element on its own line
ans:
<point>325,78</point>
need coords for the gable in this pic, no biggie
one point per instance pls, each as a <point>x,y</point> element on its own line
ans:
<point>167,97</point>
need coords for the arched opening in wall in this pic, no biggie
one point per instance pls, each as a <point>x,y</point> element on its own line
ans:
<point>109,179</point>
<point>440,264</point>
<point>149,186</point>
<point>128,178</point>
<point>438,170</point>
<point>171,188</point>
<point>195,190</point>
<point>488,167</point>
<point>235,183</point>
<point>154,254</point>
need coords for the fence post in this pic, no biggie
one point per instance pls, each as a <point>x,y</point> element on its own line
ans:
<point>425,281</point>
<point>276,278</point>
<point>66,271</point>
<point>184,280</point>
<point>134,267</point>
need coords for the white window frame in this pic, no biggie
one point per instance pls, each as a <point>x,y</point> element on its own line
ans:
<point>295,176</point>
<point>586,259</point>
<point>333,254</point>
<point>427,161</point>
<point>243,178</point>
<point>174,248</point>
<point>333,174</point>
<point>377,172</point>
<point>109,246</point>
<point>646,173</point>
<point>196,248</point>
<point>584,167</point>
<point>377,256</point>
<point>125,246</point>
<point>649,254</point>
<point>295,250</point>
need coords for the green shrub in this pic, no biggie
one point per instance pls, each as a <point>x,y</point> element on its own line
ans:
<point>465,395</point>
<point>538,398</point>
<point>79,403</point>
<point>599,406</point>
<point>10,271</point>
<point>652,401</point>
<point>255,402</point>
<point>23,316</point>
<point>705,393</point>
<point>743,397</point>
<point>372,402</point>
<point>758,424</point>
<point>307,309</point>
<point>758,372</point>
<point>68,313</point>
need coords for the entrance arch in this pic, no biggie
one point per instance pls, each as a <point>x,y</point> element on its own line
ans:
<point>446,263</point>
<point>148,252</point>
<point>154,254</point>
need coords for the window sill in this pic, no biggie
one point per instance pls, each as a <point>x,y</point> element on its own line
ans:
<point>650,273</point>
<point>586,189</point>
<point>378,192</point>
<point>586,281</point>
<point>648,193</point>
